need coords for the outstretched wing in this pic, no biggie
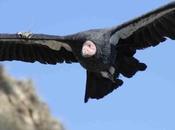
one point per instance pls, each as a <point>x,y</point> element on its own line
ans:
<point>46,49</point>
<point>147,30</point>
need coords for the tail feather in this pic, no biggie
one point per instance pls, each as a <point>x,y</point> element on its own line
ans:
<point>97,87</point>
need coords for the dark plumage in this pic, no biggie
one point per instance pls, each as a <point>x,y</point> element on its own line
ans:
<point>104,53</point>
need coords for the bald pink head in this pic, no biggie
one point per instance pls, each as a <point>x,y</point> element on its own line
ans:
<point>89,49</point>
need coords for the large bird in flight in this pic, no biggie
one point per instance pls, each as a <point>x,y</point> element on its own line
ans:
<point>104,53</point>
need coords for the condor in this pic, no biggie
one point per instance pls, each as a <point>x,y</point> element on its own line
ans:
<point>104,53</point>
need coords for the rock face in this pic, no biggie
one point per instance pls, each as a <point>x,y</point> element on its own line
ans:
<point>20,107</point>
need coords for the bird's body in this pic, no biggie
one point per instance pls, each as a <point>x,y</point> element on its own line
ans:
<point>102,60</point>
<point>104,53</point>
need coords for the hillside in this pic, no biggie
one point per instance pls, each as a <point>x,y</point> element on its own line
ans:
<point>21,108</point>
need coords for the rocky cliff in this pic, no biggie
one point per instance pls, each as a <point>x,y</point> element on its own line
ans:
<point>21,108</point>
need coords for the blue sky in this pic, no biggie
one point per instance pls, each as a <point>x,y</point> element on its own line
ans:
<point>145,102</point>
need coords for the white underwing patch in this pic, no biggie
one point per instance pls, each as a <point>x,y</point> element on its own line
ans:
<point>131,28</point>
<point>52,44</point>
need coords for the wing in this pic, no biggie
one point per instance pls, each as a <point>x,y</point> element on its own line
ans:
<point>46,49</point>
<point>147,30</point>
